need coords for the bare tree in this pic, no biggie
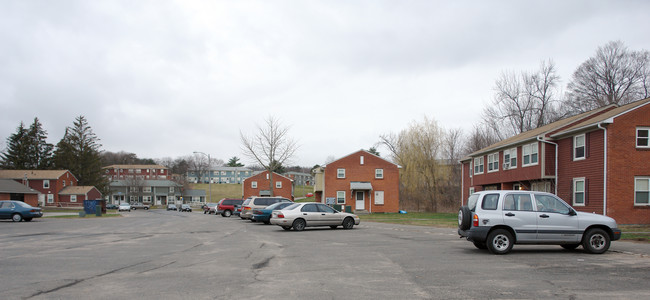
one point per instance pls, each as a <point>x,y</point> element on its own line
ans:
<point>523,102</point>
<point>615,75</point>
<point>480,137</point>
<point>271,146</point>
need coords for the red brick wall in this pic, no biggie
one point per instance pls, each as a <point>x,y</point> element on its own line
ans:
<point>354,171</point>
<point>518,174</point>
<point>263,184</point>
<point>624,163</point>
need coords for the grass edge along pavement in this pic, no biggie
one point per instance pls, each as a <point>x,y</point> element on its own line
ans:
<point>639,233</point>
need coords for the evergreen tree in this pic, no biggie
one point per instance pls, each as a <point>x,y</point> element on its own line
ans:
<point>234,162</point>
<point>78,151</point>
<point>15,157</point>
<point>39,151</point>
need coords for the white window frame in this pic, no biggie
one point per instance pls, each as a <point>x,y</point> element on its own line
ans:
<point>171,189</point>
<point>583,146</point>
<point>146,189</point>
<point>379,173</point>
<point>510,158</point>
<point>253,184</point>
<point>278,184</point>
<point>46,184</point>
<point>379,197</point>
<point>493,162</point>
<point>528,151</point>
<point>50,198</point>
<point>646,138</point>
<point>340,197</point>
<point>478,165</point>
<point>637,190</point>
<point>576,191</point>
<point>133,189</point>
<point>472,190</point>
<point>340,173</point>
<point>361,159</point>
<point>73,198</point>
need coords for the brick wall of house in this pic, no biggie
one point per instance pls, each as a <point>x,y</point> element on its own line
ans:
<point>263,184</point>
<point>355,171</point>
<point>625,162</point>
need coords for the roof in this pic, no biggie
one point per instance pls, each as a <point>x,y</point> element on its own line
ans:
<point>135,167</point>
<point>32,174</point>
<point>360,185</point>
<point>365,152</point>
<point>76,190</point>
<point>11,186</point>
<point>606,117</point>
<point>194,193</point>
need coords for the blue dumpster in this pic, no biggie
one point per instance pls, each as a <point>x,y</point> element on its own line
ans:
<point>96,207</point>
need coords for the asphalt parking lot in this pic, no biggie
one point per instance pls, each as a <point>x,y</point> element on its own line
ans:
<point>158,254</point>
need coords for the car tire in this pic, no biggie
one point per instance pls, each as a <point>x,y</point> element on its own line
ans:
<point>464,218</point>
<point>333,226</point>
<point>348,223</point>
<point>16,217</point>
<point>596,241</point>
<point>570,246</point>
<point>146,208</point>
<point>499,241</point>
<point>286,227</point>
<point>227,214</point>
<point>299,225</point>
<point>480,245</point>
<point>267,222</point>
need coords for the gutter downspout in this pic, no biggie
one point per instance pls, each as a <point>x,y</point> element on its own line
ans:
<point>539,138</point>
<point>600,125</point>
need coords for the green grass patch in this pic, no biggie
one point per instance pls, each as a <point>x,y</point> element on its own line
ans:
<point>227,190</point>
<point>639,233</point>
<point>65,210</point>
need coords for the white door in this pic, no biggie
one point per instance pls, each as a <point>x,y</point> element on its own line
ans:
<point>360,205</point>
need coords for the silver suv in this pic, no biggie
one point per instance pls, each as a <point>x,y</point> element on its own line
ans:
<point>497,220</point>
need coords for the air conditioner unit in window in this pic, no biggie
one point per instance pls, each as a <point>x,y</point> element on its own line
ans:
<point>506,166</point>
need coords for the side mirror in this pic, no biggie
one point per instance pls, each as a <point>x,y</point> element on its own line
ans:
<point>572,212</point>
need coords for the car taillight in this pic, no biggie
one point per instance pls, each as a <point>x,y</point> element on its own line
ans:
<point>280,215</point>
<point>475,222</point>
<point>247,208</point>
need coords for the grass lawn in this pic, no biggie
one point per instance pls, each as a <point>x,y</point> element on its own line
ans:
<point>223,190</point>
<point>450,220</point>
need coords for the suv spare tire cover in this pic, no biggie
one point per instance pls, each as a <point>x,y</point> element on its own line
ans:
<point>464,218</point>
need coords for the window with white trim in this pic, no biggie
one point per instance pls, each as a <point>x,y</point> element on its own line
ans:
<point>46,184</point>
<point>146,189</point>
<point>478,165</point>
<point>254,184</point>
<point>340,173</point>
<point>493,162</point>
<point>171,189</point>
<point>73,198</point>
<point>379,173</point>
<point>530,156</point>
<point>579,191</point>
<point>278,184</point>
<point>361,159</point>
<point>471,190</point>
<point>579,147</point>
<point>510,158</point>
<point>50,198</point>
<point>134,189</point>
<point>379,197</point>
<point>643,137</point>
<point>340,197</point>
<point>641,190</point>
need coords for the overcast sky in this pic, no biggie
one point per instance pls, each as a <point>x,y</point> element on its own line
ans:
<point>166,78</point>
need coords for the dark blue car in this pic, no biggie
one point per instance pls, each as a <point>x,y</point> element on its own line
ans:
<point>264,215</point>
<point>18,211</point>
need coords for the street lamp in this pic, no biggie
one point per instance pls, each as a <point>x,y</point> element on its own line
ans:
<point>209,173</point>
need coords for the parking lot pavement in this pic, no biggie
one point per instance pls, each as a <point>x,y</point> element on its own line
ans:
<point>159,254</point>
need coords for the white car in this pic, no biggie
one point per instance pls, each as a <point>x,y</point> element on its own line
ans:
<point>124,207</point>
<point>301,215</point>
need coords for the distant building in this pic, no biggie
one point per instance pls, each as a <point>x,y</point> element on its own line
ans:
<point>300,178</point>
<point>54,186</point>
<point>220,175</point>
<point>147,184</point>
<point>144,172</point>
<point>258,185</point>
<point>12,190</point>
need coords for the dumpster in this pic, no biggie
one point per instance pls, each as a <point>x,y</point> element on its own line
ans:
<point>337,207</point>
<point>96,207</point>
<point>348,209</point>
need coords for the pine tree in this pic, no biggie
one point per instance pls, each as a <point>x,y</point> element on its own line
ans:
<point>16,155</point>
<point>39,151</point>
<point>79,152</point>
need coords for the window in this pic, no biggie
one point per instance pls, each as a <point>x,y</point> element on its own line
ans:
<point>579,147</point>
<point>73,198</point>
<point>278,184</point>
<point>138,171</point>
<point>493,162</point>
<point>46,184</point>
<point>579,192</point>
<point>546,203</point>
<point>510,158</point>
<point>171,189</point>
<point>134,189</point>
<point>50,198</point>
<point>340,173</point>
<point>643,137</point>
<point>379,173</point>
<point>490,201</point>
<point>529,154</point>
<point>254,184</point>
<point>361,159</point>
<point>478,165</point>
<point>518,202</point>
<point>340,197</point>
<point>63,183</point>
<point>471,190</point>
<point>146,189</point>
<point>641,190</point>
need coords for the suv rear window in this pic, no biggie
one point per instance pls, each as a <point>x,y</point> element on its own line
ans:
<point>471,202</point>
<point>490,202</point>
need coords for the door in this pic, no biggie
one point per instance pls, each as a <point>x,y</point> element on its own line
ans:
<point>329,216</point>
<point>554,224</point>
<point>6,210</point>
<point>361,203</point>
<point>310,213</point>
<point>519,215</point>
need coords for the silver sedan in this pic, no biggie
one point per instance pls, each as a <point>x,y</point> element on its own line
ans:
<point>301,215</point>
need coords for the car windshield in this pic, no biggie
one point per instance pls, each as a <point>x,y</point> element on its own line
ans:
<point>292,206</point>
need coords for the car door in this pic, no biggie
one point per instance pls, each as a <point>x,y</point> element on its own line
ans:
<point>554,221</point>
<point>310,213</point>
<point>329,216</point>
<point>6,208</point>
<point>518,213</point>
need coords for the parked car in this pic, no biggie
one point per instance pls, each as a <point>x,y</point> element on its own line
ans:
<point>210,208</point>
<point>264,214</point>
<point>497,220</point>
<point>111,206</point>
<point>171,207</point>
<point>309,195</point>
<point>226,206</point>
<point>237,210</point>
<point>258,202</point>
<point>18,211</point>
<point>139,205</point>
<point>124,206</point>
<point>307,214</point>
<point>185,207</point>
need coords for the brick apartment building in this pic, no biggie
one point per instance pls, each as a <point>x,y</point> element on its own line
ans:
<point>258,185</point>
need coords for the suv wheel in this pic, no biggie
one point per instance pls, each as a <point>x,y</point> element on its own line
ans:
<point>227,214</point>
<point>464,218</point>
<point>596,241</point>
<point>499,241</point>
